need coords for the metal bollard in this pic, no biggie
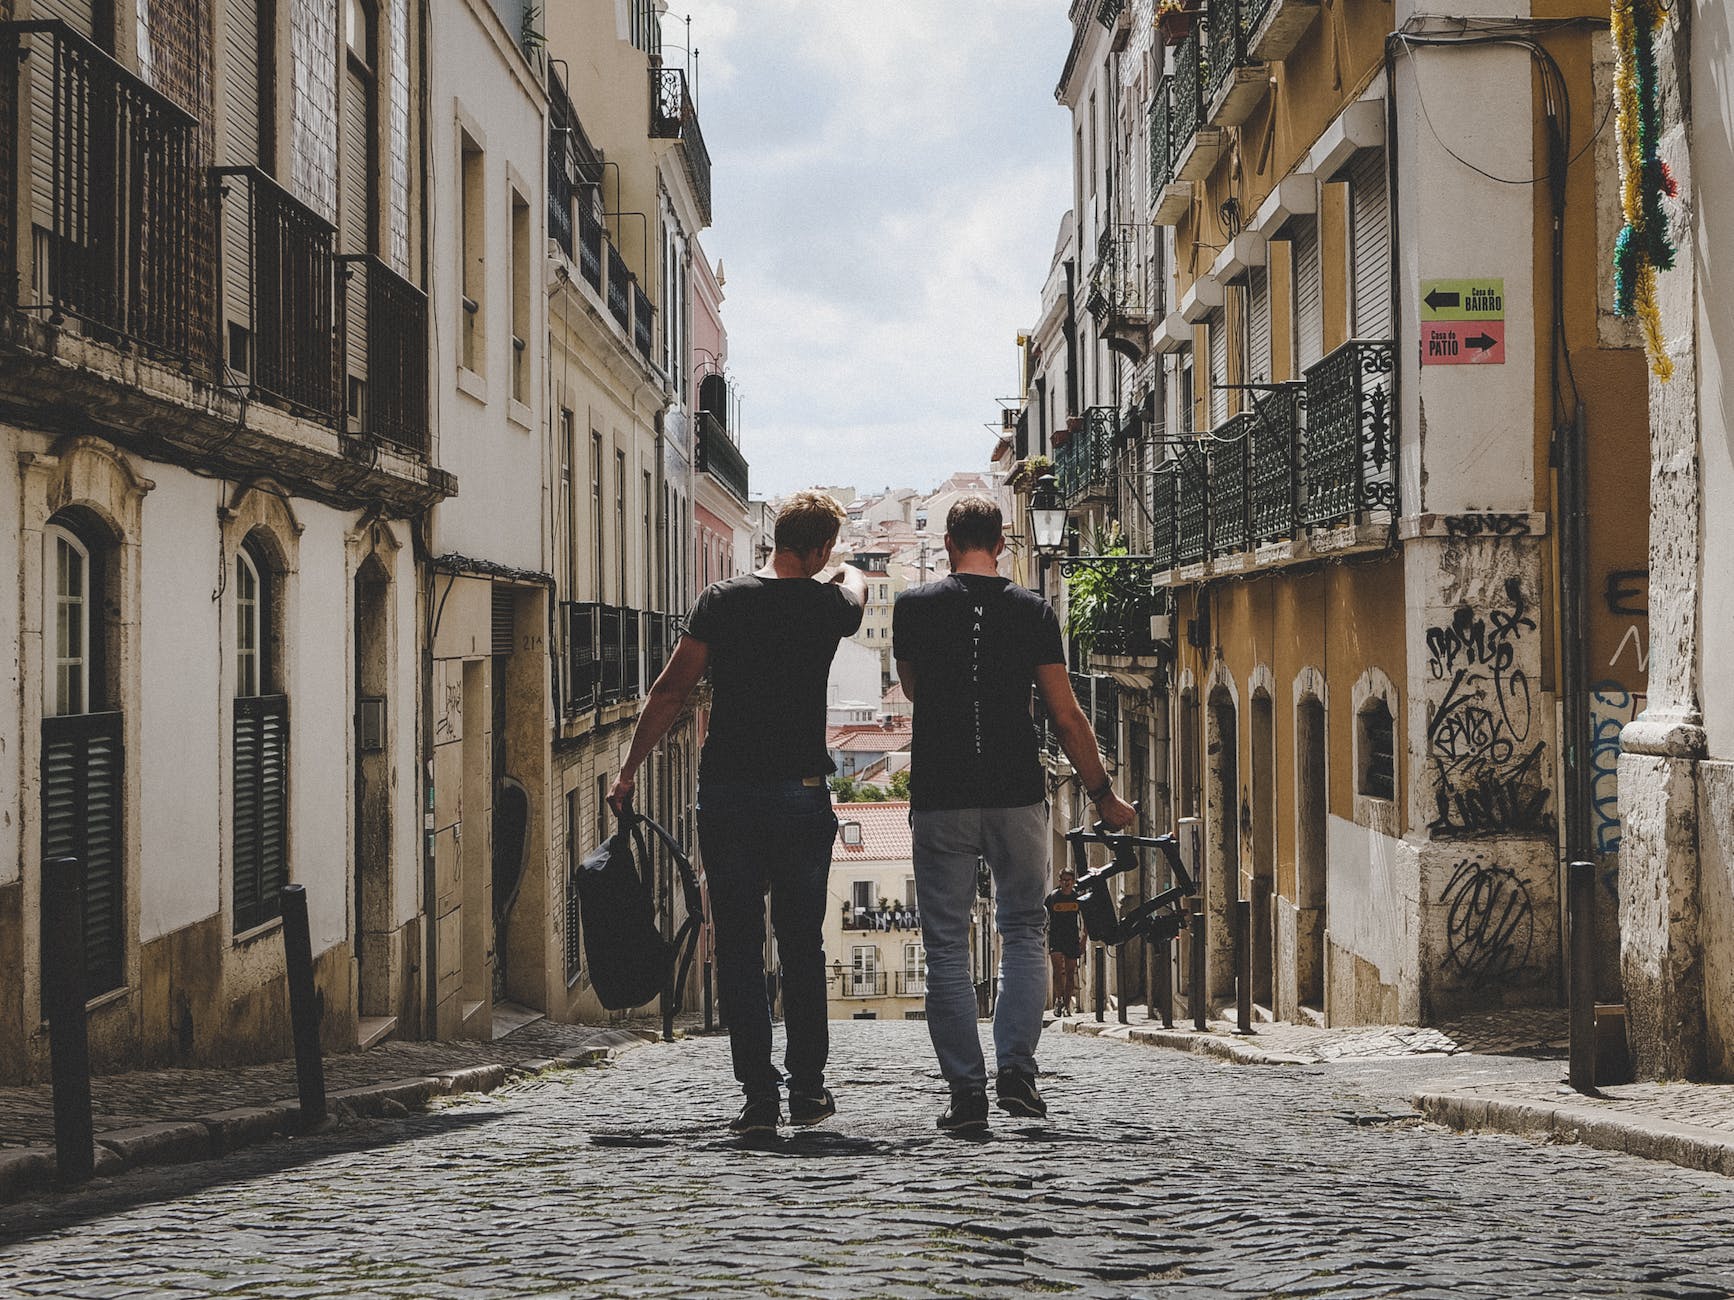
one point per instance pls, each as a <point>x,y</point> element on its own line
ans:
<point>1101,983</point>
<point>1120,980</point>
<point>68,1039</point>
<point>303,1006</point>
<point>1581,980</point>
<point>1200,1002</point>
<point>709,1005</point>
<point>1163,971</point>
<point>1243,965</point>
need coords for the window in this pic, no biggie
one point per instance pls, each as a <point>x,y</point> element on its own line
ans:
<point>596,509</point>
<point>568,499</point>
<point>358,30</point>
<point>861,894</point>
<point>1378,749</point>
<point>471,251</point>
<point>68,681</point>
<point>1094,148</point>
<point>915,967</point>
<point>864,967</point>
<point>620,525</point>
<point>520,298</point>
<point>259,824</point>
<point>644,567</point>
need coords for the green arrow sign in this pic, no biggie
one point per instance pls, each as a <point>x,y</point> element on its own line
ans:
<point>1482,299</point>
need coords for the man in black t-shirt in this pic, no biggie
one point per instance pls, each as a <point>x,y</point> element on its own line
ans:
<point>764,808</point>
<point>1065,941</point>
<point>969,648</point>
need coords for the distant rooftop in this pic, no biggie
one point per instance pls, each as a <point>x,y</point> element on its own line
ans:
<point>884,833</point>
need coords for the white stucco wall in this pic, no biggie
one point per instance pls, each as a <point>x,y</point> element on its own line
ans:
<point>183,717</point>
<point>1373,889</point>
<point>854,676</point>
<point>493,445</point>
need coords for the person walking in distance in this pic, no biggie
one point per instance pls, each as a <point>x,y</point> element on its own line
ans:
<point>969,647</point>
<point>764,808</point>
<point>1065,941</point>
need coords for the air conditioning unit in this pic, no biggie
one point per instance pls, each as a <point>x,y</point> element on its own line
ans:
<point>1161,627</point>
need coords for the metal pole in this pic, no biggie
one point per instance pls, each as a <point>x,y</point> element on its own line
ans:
<point>68,1040</point>
<point>303,1006</point>
<point>1101,983</point>
<point>1163,970</point>
<point>1120,972</point>
<point>1243,965</point>
<point>709,1007</point>
<point>1581,918</point>
<point>1200,1007</point>
<point>1149,978</point>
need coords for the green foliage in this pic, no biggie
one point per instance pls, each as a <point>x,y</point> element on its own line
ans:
<point>848,789</point>
<point>1110,600</point>
<point>900,784</point>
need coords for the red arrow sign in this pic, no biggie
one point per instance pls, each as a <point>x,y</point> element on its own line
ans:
<point>1463,343</point>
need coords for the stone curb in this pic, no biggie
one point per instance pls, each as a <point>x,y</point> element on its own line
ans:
<point>1686,1145</point>
<point>1236,1051</point>
<point>29,1171</point>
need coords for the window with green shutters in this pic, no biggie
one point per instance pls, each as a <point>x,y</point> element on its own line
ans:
<point>259,823</point>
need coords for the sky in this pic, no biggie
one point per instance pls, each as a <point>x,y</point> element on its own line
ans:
<point>888,180</point>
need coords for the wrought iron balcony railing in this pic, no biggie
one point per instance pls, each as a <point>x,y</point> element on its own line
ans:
<point>1191,505</point>
<point>864,984</point>
<point>385,349</point>
<point>279,257</point>
<point>574,166</point>
<point>643,322</point>
<point>911,983</point>
<point>1350,466</point>
<point>1163,502</point>
<point>673,117</point>
<point>1083,466</point>
<point>590,246</point>
<point>1186,90</point>
<point>657,630</point>
<point>1161,140</point>
<point>1125,286</point>
<point>719,457</point>
<point>619,289</point>
<point>1229,523</point>
<point>581,624</point>
<point>105,181</point>
<point>1273,479</point>
<point>1224,47</point>
<point>610,638</point>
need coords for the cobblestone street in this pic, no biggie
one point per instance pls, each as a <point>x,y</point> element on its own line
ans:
<point>1161,1172</point>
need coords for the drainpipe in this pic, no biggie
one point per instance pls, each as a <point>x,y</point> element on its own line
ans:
<point>1071,340</point>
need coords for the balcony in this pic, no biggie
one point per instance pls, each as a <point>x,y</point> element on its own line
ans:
<point>864,984</point>
<point>1350,468</point>
<point>619,289</point>
<point>1083,466</point>
<point>673,117</point>
<point>106,183</point>
<point>574,169</point>
<point>590,247</point>
<point>1125,294</point>
<point>911,984</point>
<point>903,920</point>
<point>385,348</point>
<point>1310,470</point>
<point>720,458</point>
<point>279,271</point>
<point>1275,27</point>
<point>1215,86</point>
<point>580,623</point>
<point>643,321</point>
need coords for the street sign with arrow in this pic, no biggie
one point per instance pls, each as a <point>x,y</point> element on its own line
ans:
<point>1480,299</point>
<point>1463,343</point>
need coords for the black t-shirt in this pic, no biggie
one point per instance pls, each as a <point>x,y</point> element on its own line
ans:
<point>771,643</point>
<point>1063,936</point>
<point>975,643</point>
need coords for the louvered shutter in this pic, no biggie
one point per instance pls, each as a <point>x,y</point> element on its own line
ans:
<point>504,613</point>
<point>241,82</point>
<point>82,769</point>
<point>1372,245</point>
<point>1308,301</point>
<point>261,808</point>
<point>1258,325</point>
<point>1217,324</point>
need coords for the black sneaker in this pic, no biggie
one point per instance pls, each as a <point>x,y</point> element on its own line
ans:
<point>966,1114</point>
<point>759,1115</point>
<point>811,1107</point>
<point>1018,1095</point>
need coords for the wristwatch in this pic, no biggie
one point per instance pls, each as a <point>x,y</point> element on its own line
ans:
<point>1096,796</point>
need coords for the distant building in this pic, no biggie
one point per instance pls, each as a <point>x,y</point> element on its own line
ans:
<point>878,967</point>
<point>857,748</point>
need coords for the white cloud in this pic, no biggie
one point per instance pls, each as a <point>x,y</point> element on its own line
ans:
<point>888,180</point>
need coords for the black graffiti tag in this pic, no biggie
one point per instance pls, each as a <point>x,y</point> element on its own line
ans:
<point>1489,922</point>
<point>1491,779</point>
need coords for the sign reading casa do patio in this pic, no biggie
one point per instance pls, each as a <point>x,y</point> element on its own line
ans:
<point>1463,322</point>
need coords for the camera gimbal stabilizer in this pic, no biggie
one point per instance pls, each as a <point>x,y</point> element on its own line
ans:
<point>1158,918</point>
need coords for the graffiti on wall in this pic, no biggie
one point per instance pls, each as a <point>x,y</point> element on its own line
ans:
<point>1489,922</point>
<point>1488,762</point>
<point>1616,701</point>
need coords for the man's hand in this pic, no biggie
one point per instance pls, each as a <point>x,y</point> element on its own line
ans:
<point>1115,813</point>
<point>620,797</point>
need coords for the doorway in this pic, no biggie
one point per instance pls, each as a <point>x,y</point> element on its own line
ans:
<point>1222,839</point>
<point>371,916</point>
<point>1310,851</point>
<point>1263,847</point>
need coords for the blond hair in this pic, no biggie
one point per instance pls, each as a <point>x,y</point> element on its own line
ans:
<point>807,521</point>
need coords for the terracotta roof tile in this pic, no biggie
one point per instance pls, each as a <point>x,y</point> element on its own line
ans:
<point>884,833</point>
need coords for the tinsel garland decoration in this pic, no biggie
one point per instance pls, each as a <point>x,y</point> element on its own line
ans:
<point>1644,246</point>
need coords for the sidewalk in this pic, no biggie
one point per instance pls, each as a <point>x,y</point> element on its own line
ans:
<point>1688,1124</point>
<point>170,1116</point>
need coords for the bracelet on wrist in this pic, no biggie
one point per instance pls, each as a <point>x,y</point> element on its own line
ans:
<point>1102,792</point>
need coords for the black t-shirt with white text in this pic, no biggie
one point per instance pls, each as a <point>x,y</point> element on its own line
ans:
<point>771,643</point>
<point>974,643</point>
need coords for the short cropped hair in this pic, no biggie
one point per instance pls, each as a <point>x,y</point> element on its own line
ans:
<point>974,524</point>
<point>808,520</point>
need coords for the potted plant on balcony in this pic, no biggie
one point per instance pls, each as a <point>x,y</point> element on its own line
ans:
<point>1028,472</point>
<point>1174,19</point>
<point>1108,606</point>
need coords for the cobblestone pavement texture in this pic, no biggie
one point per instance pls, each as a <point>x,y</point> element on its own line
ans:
<point>124,1101</point>
<point>1161,1172</point>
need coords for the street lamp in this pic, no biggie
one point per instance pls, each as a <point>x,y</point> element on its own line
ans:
<point>1047,516</point>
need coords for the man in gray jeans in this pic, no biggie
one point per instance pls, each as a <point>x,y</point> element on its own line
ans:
<point>968,648</point>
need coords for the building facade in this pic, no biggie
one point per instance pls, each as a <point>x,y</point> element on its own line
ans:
<point>215,358</point>
<point>1371,609</point>
<point>878,968</point>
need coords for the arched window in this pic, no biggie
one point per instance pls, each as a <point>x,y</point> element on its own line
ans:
<point>1378,749</point>
<point>260,822</point>
<point>68,624</point>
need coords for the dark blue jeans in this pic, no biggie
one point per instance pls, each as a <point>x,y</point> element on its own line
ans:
<point>775,836</point>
